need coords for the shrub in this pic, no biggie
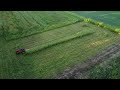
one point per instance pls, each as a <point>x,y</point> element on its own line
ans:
<point>87,20</point>
<point>117,30</point>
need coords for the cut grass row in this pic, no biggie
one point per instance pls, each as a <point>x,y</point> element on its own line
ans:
<point>54,35</point>
<point>63,40</point>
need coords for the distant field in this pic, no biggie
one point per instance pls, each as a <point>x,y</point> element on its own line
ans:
<point>108,17</point>
<point>48,63</point>
<point>16,24</point>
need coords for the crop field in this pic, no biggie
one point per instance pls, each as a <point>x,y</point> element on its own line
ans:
<point>54,41</point>
<point>109,18</point>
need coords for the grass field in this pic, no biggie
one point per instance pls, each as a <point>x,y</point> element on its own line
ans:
<point>54,42</point>
<point>49,62</point>
<point>18,24</point>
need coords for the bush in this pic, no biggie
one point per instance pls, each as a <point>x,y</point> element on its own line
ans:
<point>87,20</point>
<point>117,30</point>
<point>102,25</point>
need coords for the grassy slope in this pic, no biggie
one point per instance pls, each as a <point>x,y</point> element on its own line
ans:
<point>51,61</point>
<point>18,24</point>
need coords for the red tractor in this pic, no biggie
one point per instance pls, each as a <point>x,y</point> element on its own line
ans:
<point>20,51</point>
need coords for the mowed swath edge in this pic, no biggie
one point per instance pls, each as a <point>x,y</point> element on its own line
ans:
<point>63,40</point>
<point>58,36</point>
<point>21,30</point>
<point>53,35</point>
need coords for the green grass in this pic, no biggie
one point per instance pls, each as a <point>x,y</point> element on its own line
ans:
<point>49,62</point>
<point>105,19</point>
<point>54,36</point>
<point>64,40</point>
<point>109,69</point>
<point>60,41</point>
<point>56,41</point>
<point>18,24</point>
<point>101,24</point>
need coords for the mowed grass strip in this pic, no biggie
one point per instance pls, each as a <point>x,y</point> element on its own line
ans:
<point>54,36</point>
<point>63,40</point>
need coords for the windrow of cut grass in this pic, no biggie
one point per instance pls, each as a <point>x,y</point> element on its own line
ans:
<point>53,35</point>
<point>60,41</point>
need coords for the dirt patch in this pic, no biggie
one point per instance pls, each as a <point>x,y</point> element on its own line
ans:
<point>80,69</point>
